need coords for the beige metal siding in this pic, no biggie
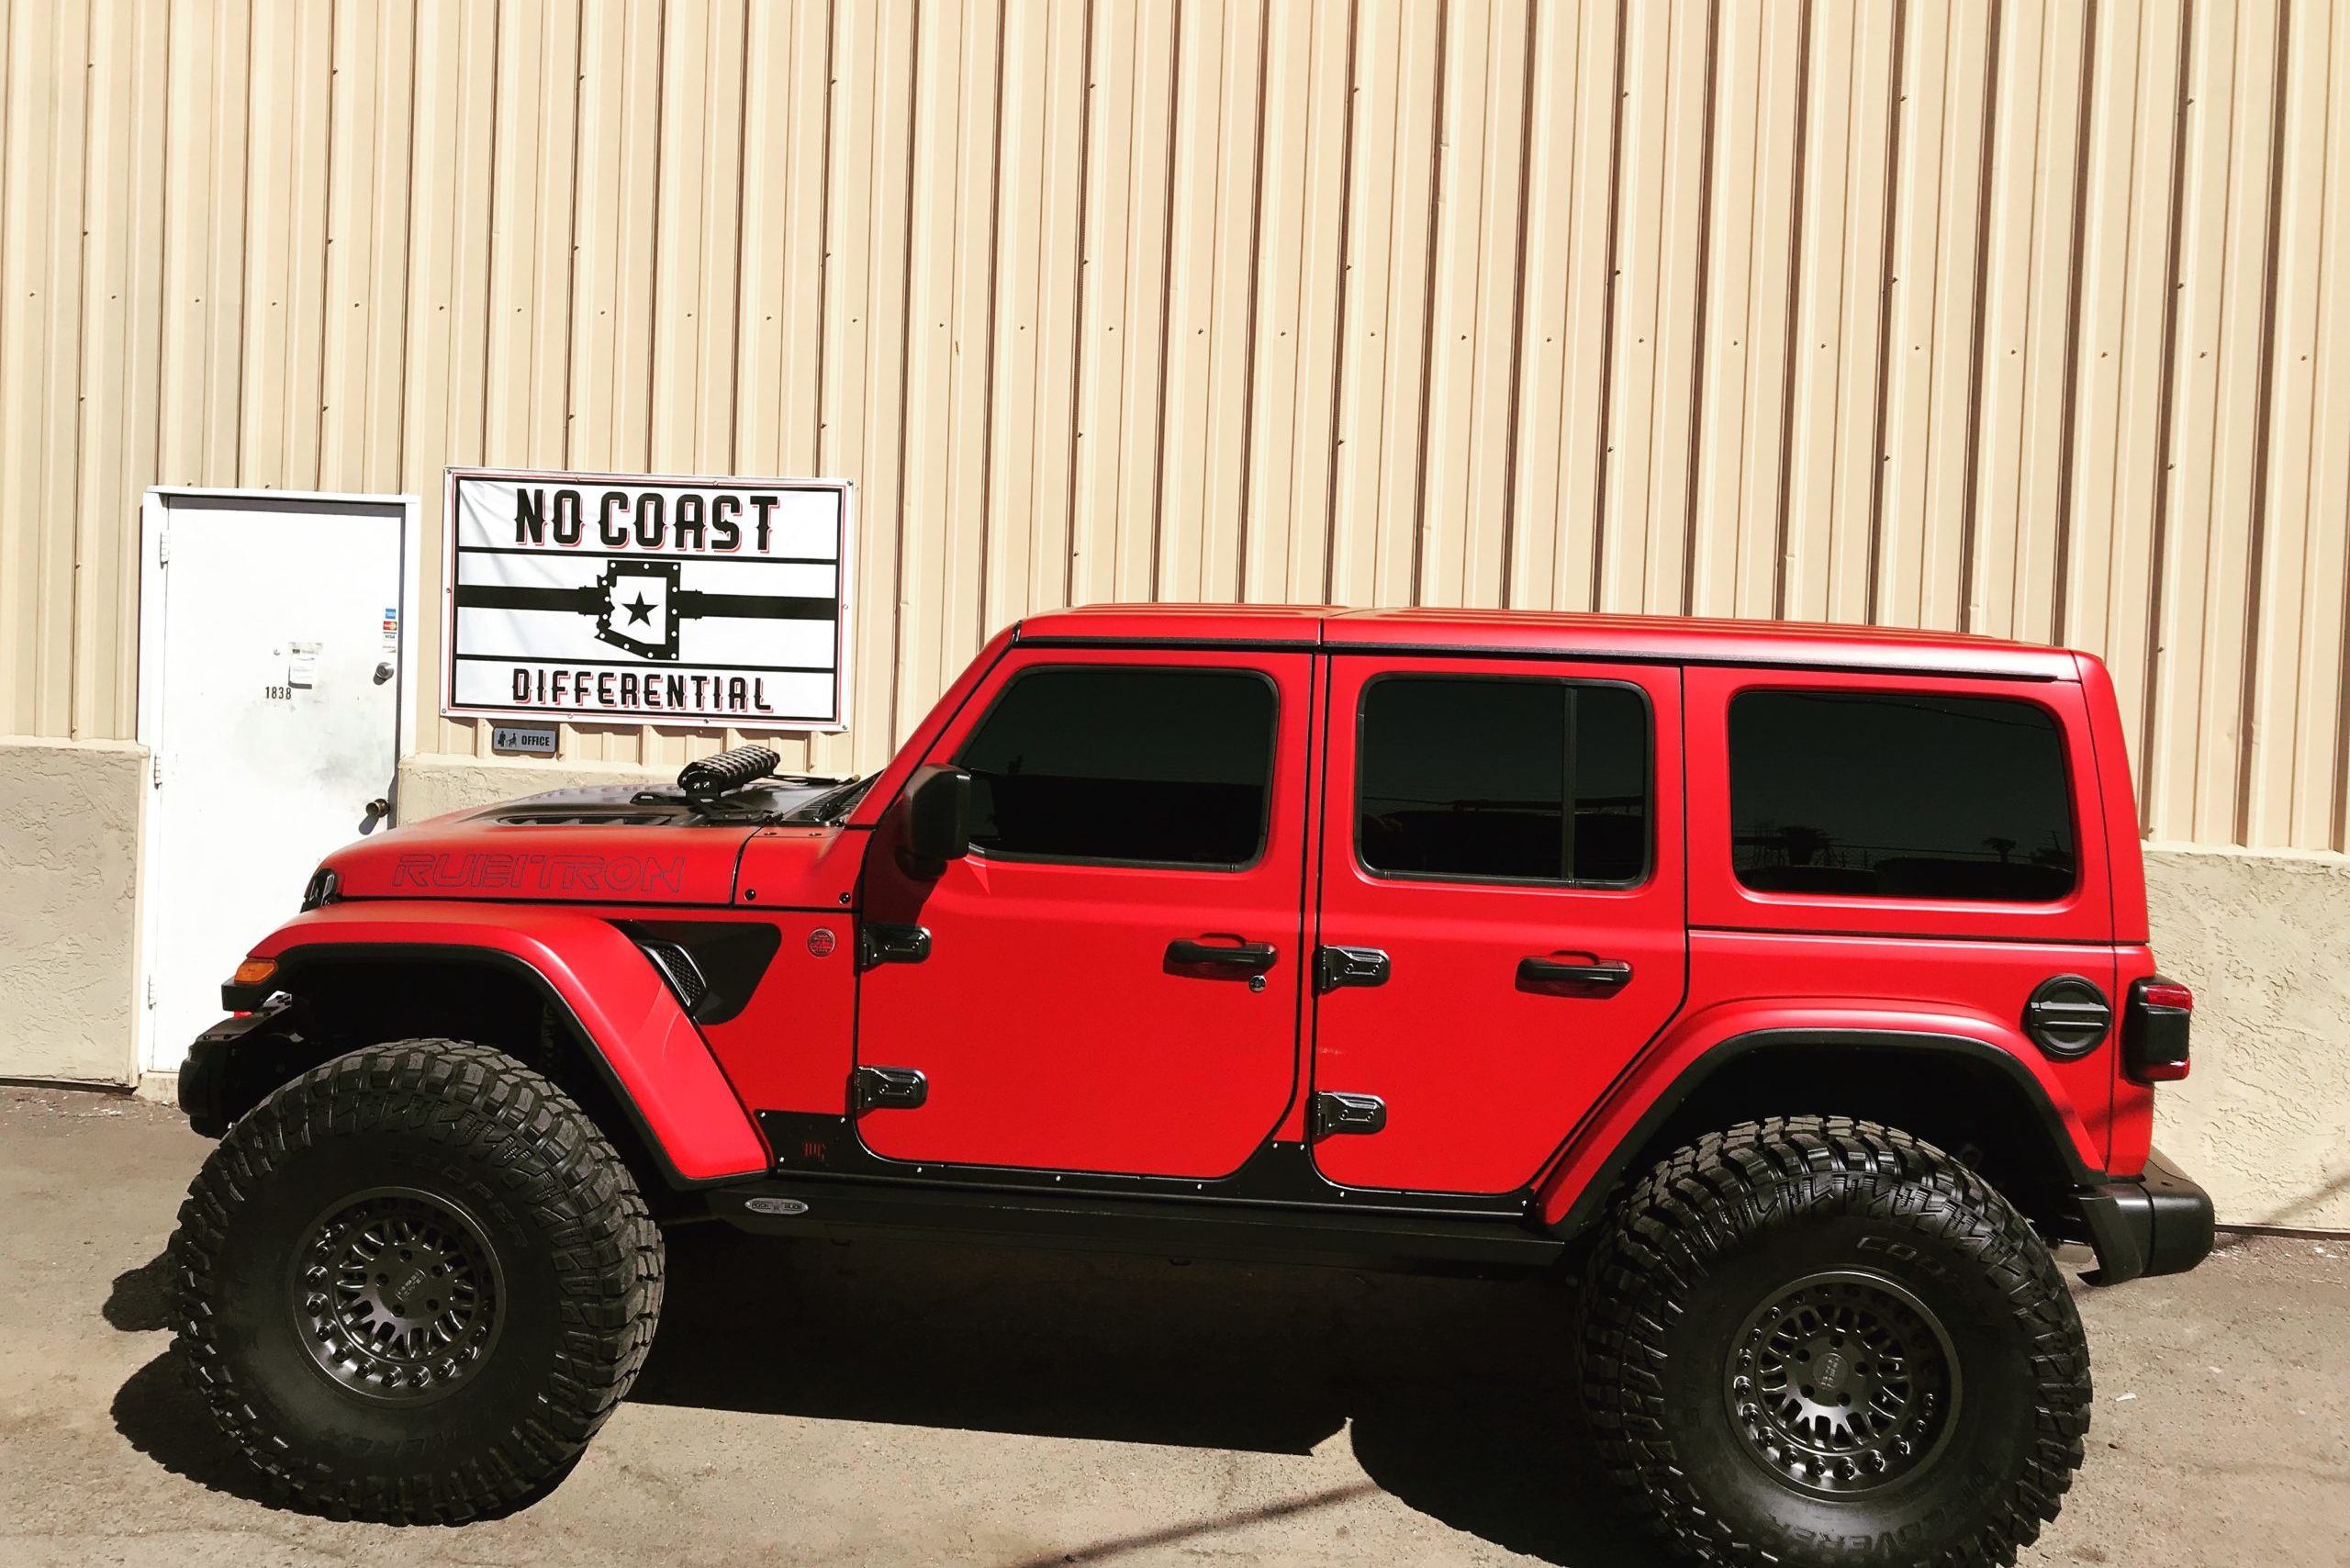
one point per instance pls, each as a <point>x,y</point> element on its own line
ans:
<point>2026,317</point>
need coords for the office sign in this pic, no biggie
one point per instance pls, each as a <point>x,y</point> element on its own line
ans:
<point>646,598</point>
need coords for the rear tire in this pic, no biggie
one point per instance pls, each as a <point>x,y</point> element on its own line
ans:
<point>1821,1341</point>
<point>413,1283</point>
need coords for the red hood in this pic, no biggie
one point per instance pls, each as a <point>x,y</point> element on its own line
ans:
<point>599,845</point>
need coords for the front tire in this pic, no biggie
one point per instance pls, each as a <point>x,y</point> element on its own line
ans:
<point>1822,1342</point>
<point>413,1283</point>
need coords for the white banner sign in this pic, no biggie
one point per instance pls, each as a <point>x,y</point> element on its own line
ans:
<point>646,598</point>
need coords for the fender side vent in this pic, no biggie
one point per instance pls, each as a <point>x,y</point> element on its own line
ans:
<point>677,966</point>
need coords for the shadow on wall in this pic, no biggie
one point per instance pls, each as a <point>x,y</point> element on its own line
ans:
<point>2303,1211</point>
<point>1454,1392</point>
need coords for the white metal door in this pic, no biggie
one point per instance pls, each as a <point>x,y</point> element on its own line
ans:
<point>271,695</point>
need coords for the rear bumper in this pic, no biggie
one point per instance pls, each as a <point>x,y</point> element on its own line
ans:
<point>2159,1224</point>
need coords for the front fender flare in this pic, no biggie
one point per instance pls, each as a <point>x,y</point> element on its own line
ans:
<point>654,1059</point>
<point>1571,1194</point>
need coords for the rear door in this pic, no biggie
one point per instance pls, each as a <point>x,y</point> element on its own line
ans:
<point>1503,854</point>
<point>1111,979</point>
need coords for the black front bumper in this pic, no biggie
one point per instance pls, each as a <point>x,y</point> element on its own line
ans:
<point>231,1065</point>
<point>2159,1224</point>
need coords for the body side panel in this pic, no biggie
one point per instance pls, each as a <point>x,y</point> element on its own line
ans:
<point>1054,1031</point>
<point>627,1013</point>
<point>794,1046</point>
<point>2132,1117</point>
<point>1483,1074</point>
<point>884,793</point>
<point>2125,861</point>
<point>1718,898</point>
<point>1743,984</point>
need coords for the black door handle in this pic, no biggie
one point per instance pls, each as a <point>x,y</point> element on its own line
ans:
<point>1573,977</point>
<point>1235,961</point>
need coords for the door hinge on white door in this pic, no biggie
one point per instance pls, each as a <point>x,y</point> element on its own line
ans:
<point>158,762</point>
<point>162,546</point>
<point>150,990</point>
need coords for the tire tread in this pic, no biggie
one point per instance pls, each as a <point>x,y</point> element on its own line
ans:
<point>1725,1188</point>
<point>524,1130</point>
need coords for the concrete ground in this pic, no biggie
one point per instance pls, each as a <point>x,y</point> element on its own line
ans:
<point>891,1404</point>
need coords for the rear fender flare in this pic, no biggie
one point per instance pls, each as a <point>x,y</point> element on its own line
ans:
<point>618,1009</point>
<point>1575,1191</point>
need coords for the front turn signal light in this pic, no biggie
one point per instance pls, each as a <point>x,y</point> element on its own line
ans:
<point>245,990</point>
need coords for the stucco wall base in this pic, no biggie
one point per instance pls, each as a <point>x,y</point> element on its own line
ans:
<point>70,815</point>
<point>431,785</point>
<point>2264,1119</point>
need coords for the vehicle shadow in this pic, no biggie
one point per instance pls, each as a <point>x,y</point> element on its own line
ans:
<point>1454,1392</point>
<point>156,1412</point>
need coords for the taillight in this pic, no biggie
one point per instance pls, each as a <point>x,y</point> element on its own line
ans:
<point>2154,1030</point>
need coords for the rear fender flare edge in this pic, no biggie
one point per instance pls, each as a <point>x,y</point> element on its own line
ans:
<point>650,1054</point>
<point>1573,1193</point>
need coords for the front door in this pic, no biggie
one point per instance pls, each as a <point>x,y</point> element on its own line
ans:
<point>1506,835</point>
<point>1111,979</point>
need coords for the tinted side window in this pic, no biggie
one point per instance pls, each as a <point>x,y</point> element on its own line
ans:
<point>1532,780</point>
<point>1893,796</point>
<point>1154,767</point>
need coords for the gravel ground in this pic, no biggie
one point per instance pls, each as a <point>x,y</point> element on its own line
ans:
<point>887,1403</point>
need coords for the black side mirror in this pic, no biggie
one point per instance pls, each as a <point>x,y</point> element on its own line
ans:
<point>938,820</point>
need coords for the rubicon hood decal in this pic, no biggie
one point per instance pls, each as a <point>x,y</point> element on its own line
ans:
<point>635,876</point>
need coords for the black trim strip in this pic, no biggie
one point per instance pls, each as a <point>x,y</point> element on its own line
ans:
<point>798,1206</point>
<point>689,603</point>
<point>815,1146</point>
<point>649,666</point>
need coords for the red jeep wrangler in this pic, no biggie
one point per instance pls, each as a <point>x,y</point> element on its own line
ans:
<point>1787,987</point>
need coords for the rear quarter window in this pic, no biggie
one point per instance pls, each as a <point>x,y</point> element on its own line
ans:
<point>1900,795</point>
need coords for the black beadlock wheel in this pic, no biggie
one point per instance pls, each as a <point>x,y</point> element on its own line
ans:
<point>413,1283</point>
<point>1821,1341</point>
<point>398,1292</point>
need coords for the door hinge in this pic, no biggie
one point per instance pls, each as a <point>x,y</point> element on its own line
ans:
<point>150,990</point>
<point>1336,967</point>
<point>1335,1114</point>
<point>889,1087</point>
<point>156,761</point>
<point>878,942</point>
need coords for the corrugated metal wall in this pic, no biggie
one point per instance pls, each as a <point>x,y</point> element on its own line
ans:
<point>2025,317</point>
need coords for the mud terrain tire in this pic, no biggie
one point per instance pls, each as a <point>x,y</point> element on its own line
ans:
<point>412,1283</point>
<point>1821,1341</point>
